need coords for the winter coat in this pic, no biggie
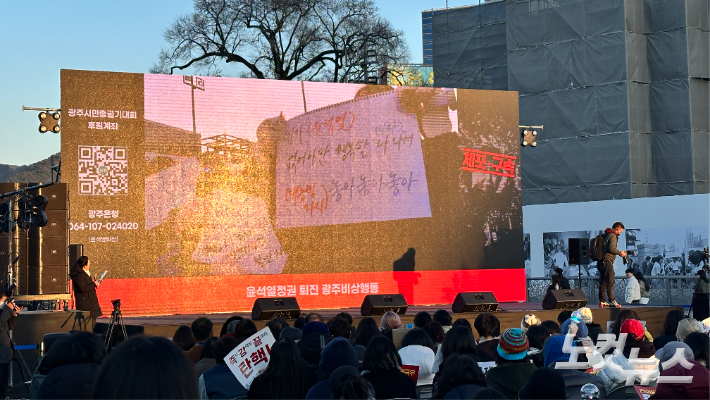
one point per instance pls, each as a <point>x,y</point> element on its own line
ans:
<point>509,378</point>
<point>662,340</point>
<point>703,286</point>
<point>574,380</point>
<point>392,384</point>
<point>697,389</point>
<point>337,353</point>
<point>465,391</point>
<point>424,358</point>
<point>609,245</point>
<point>488,350</point>
<point>220,383</point>
<point>85,293</point>
<point>646,348</point>
<point>70,381</point>
<point>633,290</point>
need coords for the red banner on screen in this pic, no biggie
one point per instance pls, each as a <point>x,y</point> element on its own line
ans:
<point>212,294</point>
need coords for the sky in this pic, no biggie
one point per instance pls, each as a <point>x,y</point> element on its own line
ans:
<point>38,38</point>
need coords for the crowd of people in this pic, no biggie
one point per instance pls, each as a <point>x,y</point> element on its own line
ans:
<point>324,359</point>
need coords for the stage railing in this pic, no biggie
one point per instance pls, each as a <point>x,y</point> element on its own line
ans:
<point>665,290</point>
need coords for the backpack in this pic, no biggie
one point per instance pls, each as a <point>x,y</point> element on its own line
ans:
<point>596,245</point>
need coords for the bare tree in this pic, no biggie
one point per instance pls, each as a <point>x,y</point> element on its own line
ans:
<point>282,39</point>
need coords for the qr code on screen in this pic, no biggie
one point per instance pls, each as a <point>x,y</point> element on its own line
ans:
<point>103,170</point>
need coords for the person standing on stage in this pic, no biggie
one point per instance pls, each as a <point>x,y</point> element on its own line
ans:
<point>85,289</point>
<point>606,265</point>
<point>8,315</point>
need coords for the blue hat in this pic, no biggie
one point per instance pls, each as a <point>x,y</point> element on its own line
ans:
<point>582,330</point>
<point>553,350</point>
<point>335,354</point>
<point>315,326</point>
<point>513,344</point>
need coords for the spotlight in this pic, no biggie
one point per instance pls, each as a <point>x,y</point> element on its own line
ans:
<point>49,122</point>
<point>528,135</point>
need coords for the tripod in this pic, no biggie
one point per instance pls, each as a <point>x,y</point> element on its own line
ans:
<point>24,371</point>
<point>116,321</point>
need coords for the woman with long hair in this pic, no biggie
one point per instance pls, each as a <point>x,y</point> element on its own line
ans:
<point>645,287</point>
<point>382,368</point>
<point>288,376</point>
<point>85,289</point>
<point>670,326</point>
<point>463,376</point>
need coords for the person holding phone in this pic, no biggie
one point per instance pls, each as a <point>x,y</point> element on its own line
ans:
<point>85,289</point>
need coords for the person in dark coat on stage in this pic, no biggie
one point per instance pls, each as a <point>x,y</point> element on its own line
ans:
<point>85,289</point>
<point>558,281</point>
<point>8,315</point>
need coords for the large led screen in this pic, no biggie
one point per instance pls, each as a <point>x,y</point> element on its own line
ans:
<point>207,192</point>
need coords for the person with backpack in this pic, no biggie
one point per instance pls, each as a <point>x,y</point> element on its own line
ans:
<point>605,266</point>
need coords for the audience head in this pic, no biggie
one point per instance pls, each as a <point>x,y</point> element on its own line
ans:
<point>337,353</point>
<point>462,322</point>
<point>459,369</point>
<point>629,272</point>
<point>285,369</point>
<point>458,340</point>
<point>346,383</point>
<point>685,327</point>
<point>366,330</point>
<point>230,322</point>
<point>339,327</point>
<point>551,326</point>
<point>544,383</point>
<point>670,325</point>
<point>528,321</point>
<point>487,325</point>
<point>77,348</point>
<point>223,346</point>
<point>553,350</point>
<point>586,314</point>
<point>381,356</point>
<point>276,325</point>
<point>313,317</point>
<point>231,326</point>
<point>436,332</point>
<point>623,315</point>
<point>582,331</point>
<point>183,338</point>
<point>299,323</point>
<point>418,337</point>
<point>208,349</point>
<point>633,328</point>
<point>154,367</point>
<point>513,346</point>
<point>489,394</point>
<point>639,276</point>
<point>443,317</point>
<point>422,319</point>
<point>558,271</point>
<point>315,327</point>
<point>699,343</point>
<point>667,352</point>
<point>563,316</point>
<point>346,316</point>
<point>390,320</point>
<point>292,333</point>
<point>244,329</point>
<point>201,329</point>
<point>536,336</point>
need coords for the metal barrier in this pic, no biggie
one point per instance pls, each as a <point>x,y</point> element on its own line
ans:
<point>665,290</point>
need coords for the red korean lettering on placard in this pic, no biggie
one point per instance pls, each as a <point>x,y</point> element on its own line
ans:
<point>488,163</point>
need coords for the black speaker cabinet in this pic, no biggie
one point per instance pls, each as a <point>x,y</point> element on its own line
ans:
<point>48,279</point>
<point>564,299</point>
<point>57,196</point>
<point>378,304</point>
<point>47,251</point>
<point>578,251</point>
<point>275,307</point>
<point>475,302</point>
<point>75,251</point>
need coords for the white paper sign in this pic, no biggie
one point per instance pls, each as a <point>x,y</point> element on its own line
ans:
<point>251,357</point>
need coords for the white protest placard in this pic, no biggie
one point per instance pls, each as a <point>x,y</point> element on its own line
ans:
<point>248,359</point>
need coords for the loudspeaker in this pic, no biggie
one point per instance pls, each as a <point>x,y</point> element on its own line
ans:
<point>565,298</point>
<point>47,251</point>
<point>578,251</point>
<point>378,304</point>
<point>57,225</point>
<point>57,196</point>
<point>75,251</point>
<point>48,279</point>
<point>275,307</point>
<point>475,301</point>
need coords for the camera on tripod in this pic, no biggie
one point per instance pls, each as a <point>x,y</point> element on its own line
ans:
<point>116,304</point>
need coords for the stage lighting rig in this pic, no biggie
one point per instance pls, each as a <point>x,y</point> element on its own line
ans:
<point>32,211</point>
<point>528,135</point>
<point>6,222</point>
<point>48,118</point>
